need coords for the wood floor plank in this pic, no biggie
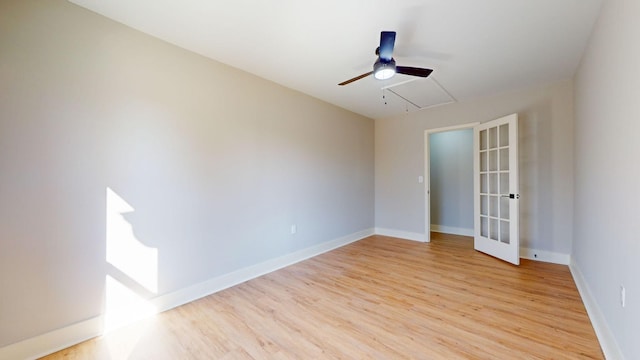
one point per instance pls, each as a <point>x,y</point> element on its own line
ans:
<point>378,298</point>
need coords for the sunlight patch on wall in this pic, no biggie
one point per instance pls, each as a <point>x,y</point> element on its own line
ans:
<point>124,306</point>
<point>134,276</point>
<point>124,251</point>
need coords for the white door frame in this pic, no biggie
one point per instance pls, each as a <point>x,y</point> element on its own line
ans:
<point>427,172</point>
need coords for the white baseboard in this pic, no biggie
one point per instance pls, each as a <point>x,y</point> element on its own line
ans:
<point>451,230</point>
<point>546,256</point>
<point>607,341</point>
<point>401,234</point>
<point>525,253</point>
<point>45,344</point>
<point>59,339</point>
<point>197,291</point>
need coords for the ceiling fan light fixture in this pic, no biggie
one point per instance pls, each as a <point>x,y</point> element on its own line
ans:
<point>385,67</point>
<point>384,70</point>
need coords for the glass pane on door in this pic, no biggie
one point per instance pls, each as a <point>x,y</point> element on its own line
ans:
<point>493,184</point>
<point>504,208</point>
<point>504,232</point>
<point>493,206</point>
<point>504,159</point>
<point>493,229</point>
<point>504,183</point>
<point>484,226</point>
<point>493,138</point>
<point>483,161</point>
<point>493,160</point>
<point>484,187</point>
<point>483,140</point>
<point>504,135</point>
<point>484,204</point>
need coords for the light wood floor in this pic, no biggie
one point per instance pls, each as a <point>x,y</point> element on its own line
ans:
<point>380,298</point>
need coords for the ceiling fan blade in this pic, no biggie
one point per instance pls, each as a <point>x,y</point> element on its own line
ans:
<point>413,71</point>
<point>387,40</point>
<point>356,78</point>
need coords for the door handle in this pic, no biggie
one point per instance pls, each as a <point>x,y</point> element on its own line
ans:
<point>511,196</point>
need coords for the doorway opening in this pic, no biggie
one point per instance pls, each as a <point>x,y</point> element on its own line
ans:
<point>449,203</point>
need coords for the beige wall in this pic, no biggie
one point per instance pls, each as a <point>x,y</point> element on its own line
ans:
<point>546,162</point>
<point>216,163</point>
<point>606,246</point>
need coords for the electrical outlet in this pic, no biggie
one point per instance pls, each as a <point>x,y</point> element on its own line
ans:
<point>623,296</point>
<point>294,229</point>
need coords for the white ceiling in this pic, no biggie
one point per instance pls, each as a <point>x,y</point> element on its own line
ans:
<point>475,47</point>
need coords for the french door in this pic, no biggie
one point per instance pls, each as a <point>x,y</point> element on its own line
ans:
<point>496,188</point>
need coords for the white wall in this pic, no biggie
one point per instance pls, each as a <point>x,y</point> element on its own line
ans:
<point>451,180</point>
<point>218,164</point>
<point>606,246</point>
<point>546,162</point>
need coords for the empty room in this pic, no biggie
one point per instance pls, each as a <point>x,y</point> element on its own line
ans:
<point>426,179</point>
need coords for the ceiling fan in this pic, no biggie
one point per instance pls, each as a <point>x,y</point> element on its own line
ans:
<point>385,67</point>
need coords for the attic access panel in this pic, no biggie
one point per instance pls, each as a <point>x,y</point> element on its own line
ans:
<point>421,92</point>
